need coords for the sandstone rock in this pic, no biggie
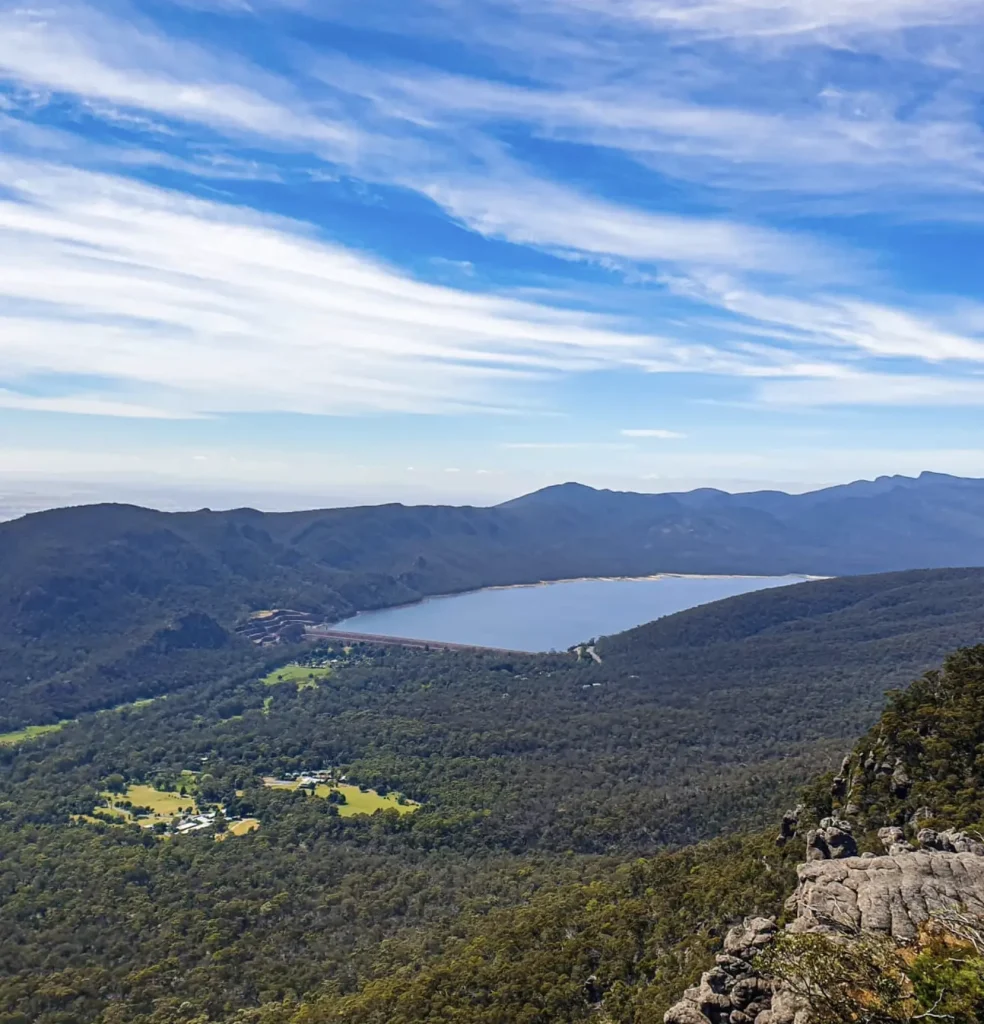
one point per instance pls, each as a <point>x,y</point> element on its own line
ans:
<point>788,1008</point>
<point>919,815</point>
<point>787,828</point>
<point>734,965</point>
<point>731,986</point>
<point>950,841</point>
<point>928,839</point>
<point>684,1012</point>
<point>748,990</point>
<point>960,842</point>
<point>900,783</point>
<point>746,939</point>
<point>890,895</point>
<point>833,840</point>
<point>715,982</point>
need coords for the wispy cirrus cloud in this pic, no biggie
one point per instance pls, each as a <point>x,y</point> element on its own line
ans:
<point>874,389</point>
<point>125,299</point>
<point>79,52</point>
<point>786,17</point>
<point>183,307</point>
<point>471,175</point>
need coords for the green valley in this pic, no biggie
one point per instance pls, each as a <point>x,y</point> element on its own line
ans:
<point>508,828</point>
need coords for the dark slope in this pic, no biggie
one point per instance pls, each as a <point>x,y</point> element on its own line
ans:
<point>84,592</point>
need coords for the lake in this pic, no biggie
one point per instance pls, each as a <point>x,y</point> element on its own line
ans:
<point>553,616</point>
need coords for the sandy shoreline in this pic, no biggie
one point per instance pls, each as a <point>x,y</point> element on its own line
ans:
<point>637,579</point>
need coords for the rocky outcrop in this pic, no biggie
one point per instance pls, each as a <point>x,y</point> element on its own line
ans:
<point>891,895</point>
<point>894,841</point>
<point>833,840</point>
<point>733,992</point>
<point>950,841</point>
<point>788,826</point>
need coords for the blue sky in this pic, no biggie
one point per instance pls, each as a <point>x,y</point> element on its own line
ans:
<point>287,251</point>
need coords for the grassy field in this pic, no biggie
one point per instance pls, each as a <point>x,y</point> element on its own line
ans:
<point>356,802</point>
<point>9,739</point>
<point>30,732</point>
<point>164,806</point>
<point>305,676</point>
<point>240,828</point>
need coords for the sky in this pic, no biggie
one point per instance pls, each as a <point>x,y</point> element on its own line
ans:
<point>301,252</point>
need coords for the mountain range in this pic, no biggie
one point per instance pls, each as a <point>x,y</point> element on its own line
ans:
<point>85,590</point>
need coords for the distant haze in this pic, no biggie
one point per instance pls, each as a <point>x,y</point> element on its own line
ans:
<point>21,495</point>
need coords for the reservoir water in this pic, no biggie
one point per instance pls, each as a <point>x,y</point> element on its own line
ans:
<point>553,616</point>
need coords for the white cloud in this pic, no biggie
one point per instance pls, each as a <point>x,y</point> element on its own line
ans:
<point>853,326</point>
<point>874,389</point>
<point>471,176</point>
<point>82,405</point>
<point>187,308</point>
<point>76,51</point>
<point>794,142</point>
<point>768,18</point>
<point>534,212</point>
<point>662,435</point>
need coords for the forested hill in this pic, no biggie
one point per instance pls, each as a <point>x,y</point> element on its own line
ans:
<point>531,882</point>
<point>95,600</point>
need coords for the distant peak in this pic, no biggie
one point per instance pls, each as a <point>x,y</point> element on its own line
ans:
<point>555,492</point>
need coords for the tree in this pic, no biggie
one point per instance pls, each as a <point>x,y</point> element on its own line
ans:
<point>116,783</point>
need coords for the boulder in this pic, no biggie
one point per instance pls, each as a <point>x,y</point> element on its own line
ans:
<point>961,842</point>
<point>928,839</point>
<point>734,965</point>
<point>788,1008</point>
<point>900,783</point>
<point>746,939</point>
<point>950,841</point>
<point>894,841</point>
<point>750,989</point>
<point>833,840</point>
<point>684,1012</point>
<point>787,827</point>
